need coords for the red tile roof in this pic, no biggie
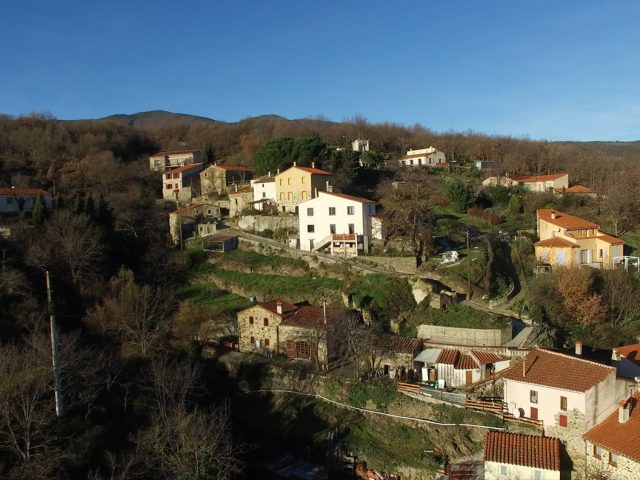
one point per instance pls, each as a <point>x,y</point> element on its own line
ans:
<point>610,239</point>
<point>241,191</point>
<point>465,362</point>
<point>272,306</point>
<point>578,189</point>
<point>24,191</point>
<point>564,220</point>
<point>460,361</point>
<point>526,450</point>
<point>559,370</point>
<point>489,357</point>
<point>234,168</point>
<point>398,344</point>
<point>309,316</point>
<point>537,178</point>
<point>620,438</point>
<point>448,356</point>
<point>183,168</point>
<point>630,352</point>
<point>188,207</point>
<point>348,197</point>
<point>315,171</point>
<point>556,242</point>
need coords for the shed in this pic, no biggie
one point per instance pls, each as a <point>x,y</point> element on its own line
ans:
<point>220,243</point>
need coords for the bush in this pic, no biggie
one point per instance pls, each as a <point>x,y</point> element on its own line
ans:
<point>460,194</point>
<point>266,233</point>
<point>358,396</point>
<point>382,395</point>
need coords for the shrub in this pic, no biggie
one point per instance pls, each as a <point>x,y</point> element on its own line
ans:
<point>358,396</point>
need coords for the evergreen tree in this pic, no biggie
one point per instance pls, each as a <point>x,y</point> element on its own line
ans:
<point>37,214</point>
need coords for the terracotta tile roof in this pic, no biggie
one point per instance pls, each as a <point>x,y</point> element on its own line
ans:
<point>630,352</point>
<point>537,178</point>
<point>24,191</point>
<point>348,197</point>
<point>448,356</point>
<point>556,242</point>
<point>183,168</point>
<point>309,316</point>
<point>272,306</point>
<point>314,171</point>
<point>343,236</point>
<point>465,362</point>
<point>188,208</point>
<point>172,152</point>
<point>578,189</point>
<point>620,438</point>
<point>610,239</point>
<point>525,450</point>
<point>397,344</point>
<point>564,220</point>
<point>488,357</point>
<point>234,168</point>
<point>551,368</point>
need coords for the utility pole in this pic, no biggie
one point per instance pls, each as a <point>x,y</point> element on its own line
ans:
<point>469,292</point>
<point>54,350</point>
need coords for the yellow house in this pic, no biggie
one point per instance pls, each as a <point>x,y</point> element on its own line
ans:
<point>298,184</point>
<point>569,241</point>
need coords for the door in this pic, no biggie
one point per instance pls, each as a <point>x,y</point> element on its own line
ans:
<point>534,413</point>
<point>469,377</point>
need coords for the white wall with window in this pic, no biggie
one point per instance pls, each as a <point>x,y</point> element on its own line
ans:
<point>334,214</point>
<point>501,471</point>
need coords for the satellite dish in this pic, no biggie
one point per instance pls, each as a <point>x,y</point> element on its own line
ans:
<point>517,413</point>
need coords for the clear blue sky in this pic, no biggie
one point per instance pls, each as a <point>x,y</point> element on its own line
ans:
<point>542,69</point>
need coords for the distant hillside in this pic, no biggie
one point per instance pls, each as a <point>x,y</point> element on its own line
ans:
<point>155,119</point>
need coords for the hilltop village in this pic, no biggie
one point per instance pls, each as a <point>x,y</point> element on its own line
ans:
<point>315,310</point>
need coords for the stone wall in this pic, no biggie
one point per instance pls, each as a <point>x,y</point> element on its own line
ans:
<point>465,336</point>
<point>257,330</point>
<point>625,469</point>
<point>258,223</point>
<point>571,437</point>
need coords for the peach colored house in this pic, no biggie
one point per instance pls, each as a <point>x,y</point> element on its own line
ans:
<point>569,241</point>
<point>542,183</point>
<point>299,184</point>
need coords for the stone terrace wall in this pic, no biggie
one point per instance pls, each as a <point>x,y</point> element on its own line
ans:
<point>465,336</point>
<point>258,223</point>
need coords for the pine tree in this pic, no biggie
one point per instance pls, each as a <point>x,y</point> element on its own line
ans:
<point>37,214</point>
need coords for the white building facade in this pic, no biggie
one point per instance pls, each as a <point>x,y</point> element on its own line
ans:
<point>424,157</point>
<point>336,222</point>
<point>264,191</point>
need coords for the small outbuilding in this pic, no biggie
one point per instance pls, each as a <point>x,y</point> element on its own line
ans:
<point>220,243</point>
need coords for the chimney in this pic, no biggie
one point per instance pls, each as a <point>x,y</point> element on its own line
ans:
<point>269,174</point>
<point>326,186</point>
<point>278,171</point>
<point>313,164</point>
<point>553,215</point>
<point>615,356</point>
<point>624,409</point>
<point>324,312</point>
<point>524,367</point>
<point>295,163</point>
<point>579,348</point>
<point>236,186</point>
<point>279,307</point>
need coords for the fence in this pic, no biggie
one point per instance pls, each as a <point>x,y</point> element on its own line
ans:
<point>496,406</point>
<point>434,393</point>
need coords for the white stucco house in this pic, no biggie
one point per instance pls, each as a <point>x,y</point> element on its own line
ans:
<point>511,456</point>
<point>336,222</point>
<point>264,191</point>
<point>424,157</point>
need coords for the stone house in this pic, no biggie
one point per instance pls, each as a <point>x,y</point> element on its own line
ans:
<point>297,330</point>
<point>336,222</point>
<point>424,157</point>
<point>184,222</point>
<point>569,241</point>
<point>613,446</point>
<point>510,456</point>
<point>16,200</point>
<point>161,161</point>
<point>567,393</point>
<point>299,184</point>
<point>181,184</point>
<point>240,199</point>
<point>219,179</point>
<point>394,352</point>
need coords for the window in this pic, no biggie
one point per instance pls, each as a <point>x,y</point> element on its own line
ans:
<point>176,175</point>
<point>289,181</point>
<point>562,420</point>
<point>175,185</point>
<point>310,229</point>
<point>168,175</point>
<point>266,342</point>
<point>253,340</point>
<point>302,180</point>
<point>504,470</point>
<point>289,196</point>
<point>538,475</point>
<point>250,320</point>
<point>282,196</point>
<point>309,212</point>
<point>264,195</point>
<point>265,321</point>
<point>332,210</point>
<point>332,228</point>
<point>351,210</point>
<point>168,186</point>
<point>352,228</point>
<point>598,452</point>
<point>280,182</point>
<point>613,459</point>
<point>533,396</point>
<point>601,252</point>
<point>563,404</point>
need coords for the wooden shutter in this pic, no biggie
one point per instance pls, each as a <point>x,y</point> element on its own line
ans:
<point>534,413</point>
<point>291,349</point>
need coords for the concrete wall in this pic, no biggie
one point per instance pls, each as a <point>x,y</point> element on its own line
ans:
<point>465,336</point>
<point>492,471</point>
<point>257,223</point>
